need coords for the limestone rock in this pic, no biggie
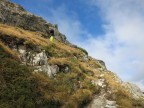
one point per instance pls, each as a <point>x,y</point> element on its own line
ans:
<point>100,82</point>
<point>110,104</point>
<point>102,64</point>
<point>134,90</point>
<point>101,102</point>
<point>54,69</point>
<point>85,58</point>
<point>98,102</point>
<point>38,60</point>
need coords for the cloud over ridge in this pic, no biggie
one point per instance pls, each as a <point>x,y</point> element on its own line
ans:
<point>121,46</point>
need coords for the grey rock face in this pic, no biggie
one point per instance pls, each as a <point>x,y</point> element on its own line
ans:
<point>99,82</point>
<point>102,64</point>
<point>101,102</point>
<point>54,69</point>
<point>85,58</point>
<point>98,102</point>
<point>39,61</point>
<point>134,90</point>
<point>36,57</point>
<point>110,104</point>
<point>15,15</point>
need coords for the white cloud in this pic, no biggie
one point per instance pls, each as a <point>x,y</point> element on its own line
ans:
<point>125,23</point>
<point>122,45</point>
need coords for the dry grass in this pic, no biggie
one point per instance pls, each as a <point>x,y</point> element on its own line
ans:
<point>58,89</point>
<point>111,80</point>
<point>79,98</point>
<point>9,51</point>
<point>123,97</point>
<point>33,37</point>
<point>36,39</point>
<point>90,67</point>
<point>60,61</point>
<point>67,48</point>
<point>61,89</point>
<point>95,64</point>
<point>85,67</point>
<point>74,66</point>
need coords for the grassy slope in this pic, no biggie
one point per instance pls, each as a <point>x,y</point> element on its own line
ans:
<point>21,88</point>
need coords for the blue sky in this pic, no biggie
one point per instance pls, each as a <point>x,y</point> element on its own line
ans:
<point>76,9</point>
<point>110,30</point>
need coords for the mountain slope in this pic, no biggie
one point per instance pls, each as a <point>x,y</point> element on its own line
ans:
<point>35,72</point>
<point>15,15</point>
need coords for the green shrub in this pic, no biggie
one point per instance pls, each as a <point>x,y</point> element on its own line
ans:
<point>19,88</point>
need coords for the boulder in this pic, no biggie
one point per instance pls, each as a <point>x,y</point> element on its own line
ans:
<point>133,89</point>
<point>85,58</point>
<point>54,69</point>
<point>102,63</point>
<point>64,68</point>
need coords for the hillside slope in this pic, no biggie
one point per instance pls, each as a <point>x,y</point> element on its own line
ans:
<point>15,15</point>
<point>37,73</point>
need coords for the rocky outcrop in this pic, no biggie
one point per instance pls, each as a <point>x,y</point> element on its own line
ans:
<point>101,82</point>
<point>102,64</point>
<point>101,102</point>
<point>107,97</point>
<point>98,102</point>
<point>38,60</point>
<point>110,104</point>
<point>134,90</point>
<point>85,58</point>
<point>15,15</point>
<point>31,55</point>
